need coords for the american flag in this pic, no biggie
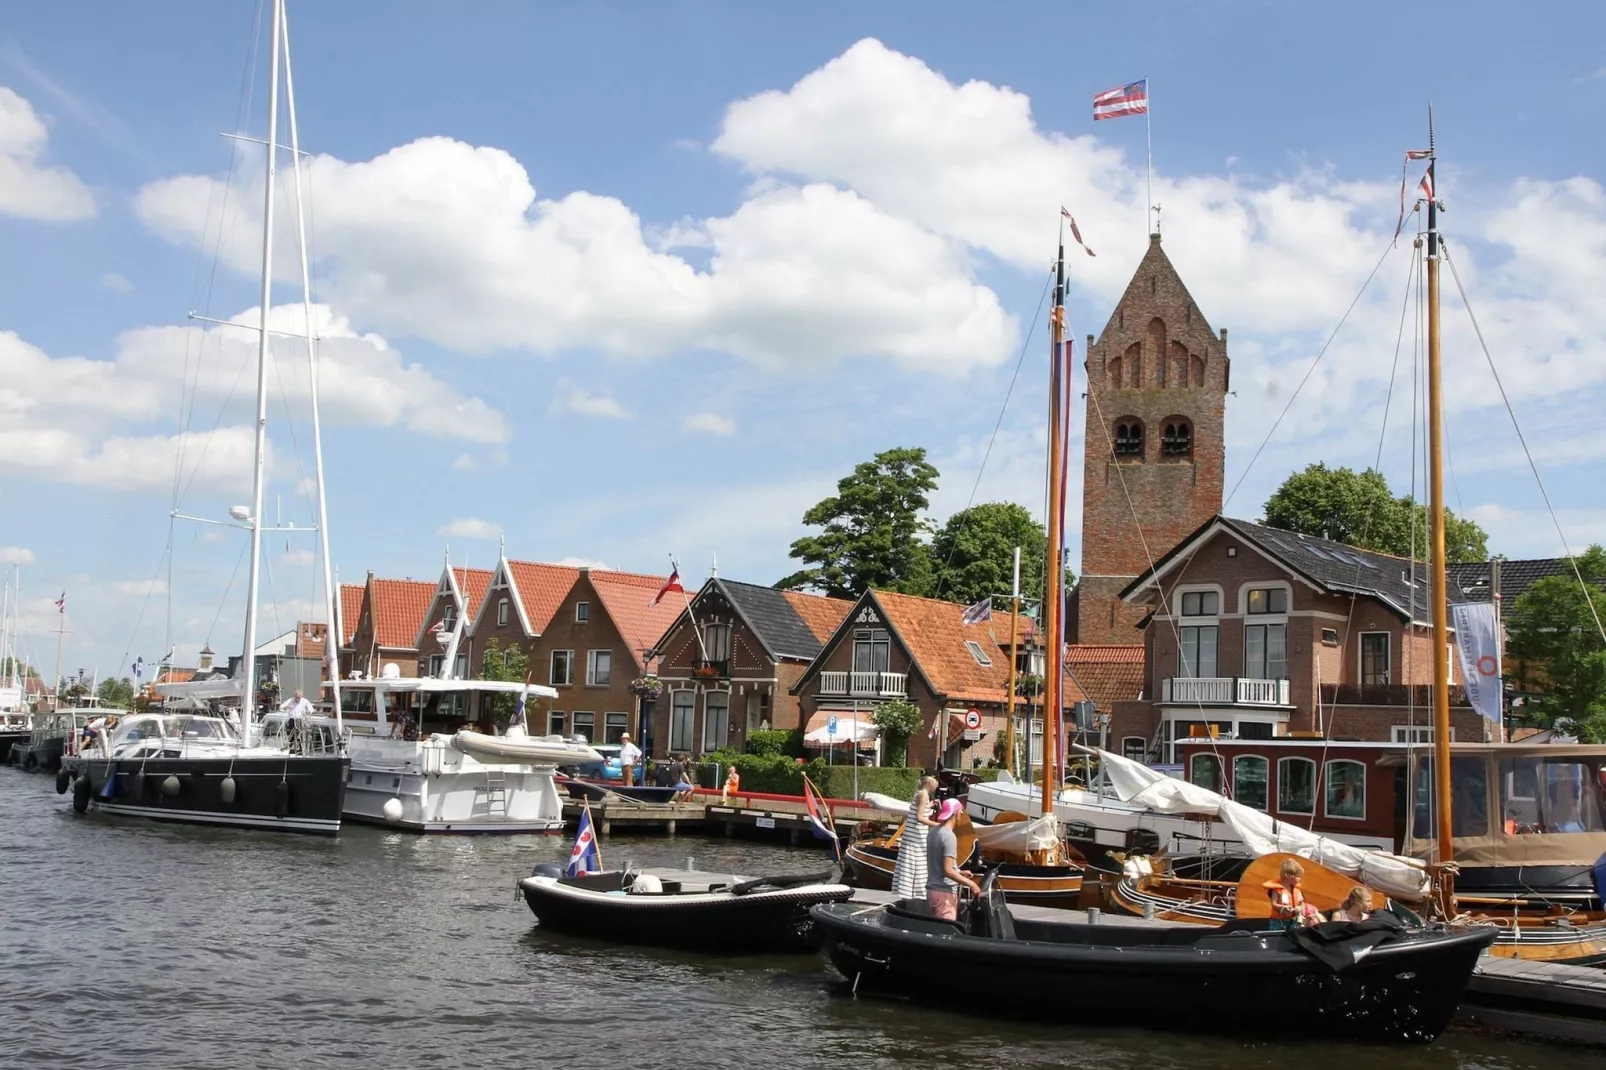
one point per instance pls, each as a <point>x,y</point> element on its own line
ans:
<point>1075,232</point>
<point>1130,99</point>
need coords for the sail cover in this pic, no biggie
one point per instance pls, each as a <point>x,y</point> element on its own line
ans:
<point>1012,837</point>
<point>1137,784</point>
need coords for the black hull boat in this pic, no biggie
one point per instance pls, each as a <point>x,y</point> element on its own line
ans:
<point>9,740</point>
<point>38,756</point>
<point>1374,981</point>
<point>599,790</point>
<point>746,917</point>
<point>872,864</point>
<point>283,793</point>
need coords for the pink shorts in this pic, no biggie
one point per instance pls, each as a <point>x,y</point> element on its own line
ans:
<point>943,904</point>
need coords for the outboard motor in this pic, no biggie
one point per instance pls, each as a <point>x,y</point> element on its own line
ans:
<point>989,914</point>
<point>547,869</point>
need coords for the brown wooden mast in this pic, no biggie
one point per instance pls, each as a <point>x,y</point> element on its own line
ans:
<point>1053,600</point>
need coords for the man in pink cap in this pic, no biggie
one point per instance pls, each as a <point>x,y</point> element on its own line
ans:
<point>943,875</point>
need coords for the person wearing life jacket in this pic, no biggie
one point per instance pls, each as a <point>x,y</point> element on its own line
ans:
<point>1288,906</point>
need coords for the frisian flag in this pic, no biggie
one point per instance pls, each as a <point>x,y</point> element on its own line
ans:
<point>518,711</point>
<point>980,611</point>
<point>820,818</point>
<point>1129,99</point>
<point>585,858</point>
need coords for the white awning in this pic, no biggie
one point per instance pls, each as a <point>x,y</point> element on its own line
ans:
<point>849,728</point>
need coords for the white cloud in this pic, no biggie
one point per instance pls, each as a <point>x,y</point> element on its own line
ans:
<point>582,562</point>
<point>710,422</point>
<point>15,555</point>
<point>577,400</point>
<point>29,188</point>
<point>116,283</point>
<point>1520,533</point>
<point>463,463</point>
<point>298,557</point>
<point>470,528</point>
<point>139,588</point>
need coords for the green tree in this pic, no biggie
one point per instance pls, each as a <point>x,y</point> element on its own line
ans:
<point>873,527</point>
<point>973,554</point>
<point>509,663</point>
<point>116,692</point>
<point>898,719</point>
<point>1552,625</point>
<point>1359,509</point>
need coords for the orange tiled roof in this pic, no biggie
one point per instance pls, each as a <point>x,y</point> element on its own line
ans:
<point>350,610</point>
<point>398,608</point>
<point>542,588</point>
<point>1105,675</point>
<point>1091,654</point>
<point>821,615</point>
<point>627,596</point>
<point>473,582</point>
<point>935,636</point>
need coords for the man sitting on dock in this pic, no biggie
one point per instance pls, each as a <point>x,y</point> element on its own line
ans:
<point>943,875</point>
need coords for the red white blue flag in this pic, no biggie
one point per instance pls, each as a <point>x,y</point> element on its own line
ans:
<point>820,817</point>
<point>585,858</point>
<point>1076,231</point>
<point>1129,99</point>
<point>61,603</point>
<point>671,585</point>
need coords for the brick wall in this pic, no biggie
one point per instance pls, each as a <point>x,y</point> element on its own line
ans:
<point>564,632</point>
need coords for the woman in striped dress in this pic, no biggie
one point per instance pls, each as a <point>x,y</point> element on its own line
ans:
<point>909,876</point>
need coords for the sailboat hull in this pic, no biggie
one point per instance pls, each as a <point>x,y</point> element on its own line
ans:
<point>310,801</point>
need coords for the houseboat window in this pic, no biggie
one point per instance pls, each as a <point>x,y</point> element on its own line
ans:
<point>680,720</point>
<point>1201,604</point>
<point>1469,798</point>
<point>977,652</point>
<point>717,641</point>
<point>1550,795</point>
<point>554,723</point>
<point>501,612</point>
<point>585,724</point>
<point>1374,659</point>
<point>562,668</point>
<point>716,719</point>
<point>1205,771</point>
<point>599,668</point>
<point>1296,785</point>
<point>1346,789</point>
<point>872,650</point>
<point>1266,651</point>
<point>1135,748</point>
<point>1198,651</point>
<point>582,612</point>
<point>1249,780</point>
<point>1268,600</point>
<point>613,726</point>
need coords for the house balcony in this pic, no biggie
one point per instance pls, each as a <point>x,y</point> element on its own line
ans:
<point>705,669</point>
<point>865,684</point>
<point>1223,691</point>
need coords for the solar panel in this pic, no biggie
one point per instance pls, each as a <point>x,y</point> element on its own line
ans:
<point>1314,552</point>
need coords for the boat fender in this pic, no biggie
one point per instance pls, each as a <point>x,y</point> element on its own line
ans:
<point>63,781</point>
<point>139,785</point>
<point>647,884</point>
<point>226,790</point>
<point>30,761</point>
<point>80,793</point>
<point>547,869</point>
<point>392,810</point>
<point>171,786</point>
<point>281,799</point>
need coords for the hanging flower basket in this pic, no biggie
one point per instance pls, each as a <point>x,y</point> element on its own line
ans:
<point>646,687</point>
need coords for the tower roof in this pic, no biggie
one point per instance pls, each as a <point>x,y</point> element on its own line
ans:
<point>1155,280</point>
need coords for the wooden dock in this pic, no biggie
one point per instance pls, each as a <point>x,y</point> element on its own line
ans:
<point>767,816</point>
<point>1543,999</point>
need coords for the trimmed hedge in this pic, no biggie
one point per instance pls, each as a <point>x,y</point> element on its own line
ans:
<point>837,781</point>
<point>780,775</point>
<point>776,741</point>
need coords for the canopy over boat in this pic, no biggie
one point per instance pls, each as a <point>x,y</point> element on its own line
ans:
<point>217,687</point>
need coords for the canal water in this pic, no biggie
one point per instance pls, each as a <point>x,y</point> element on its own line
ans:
<point>133,944</point>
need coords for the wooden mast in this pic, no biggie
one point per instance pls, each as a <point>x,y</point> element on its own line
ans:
<point>1441,624</point>
<point>1014,640</point>
<point>1053,601</point>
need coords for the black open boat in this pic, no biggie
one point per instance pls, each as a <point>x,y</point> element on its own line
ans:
<point>762,914</point>
<point>1373,981</point>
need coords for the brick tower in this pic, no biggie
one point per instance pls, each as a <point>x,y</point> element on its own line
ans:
<point>1157,387</point>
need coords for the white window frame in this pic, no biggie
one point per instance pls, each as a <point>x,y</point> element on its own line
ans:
<point>1126,745</point>
<point>582,612</point>
<point>1327,784</point>
<point>1265,585</point>
<point>552,668</point>
<point>1314,784</point>
<point>590,732</point>
<point>556,718</point>
<point>591,667</point>
<point>1422,733</point>
<point>719,738</point>
<point>460,666</point>
<point>449,617</point>
<point>978,653</point>
<point>612,719</point>
<point>717,640</point>
<point>1179,594</point>
<point>501,612</point>
<point>1360,658</point>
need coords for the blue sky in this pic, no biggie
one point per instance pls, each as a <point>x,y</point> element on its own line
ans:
<point>763,242</point>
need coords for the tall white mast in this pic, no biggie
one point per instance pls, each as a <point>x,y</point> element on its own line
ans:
<point>331,642</point>
<point>248,657</point>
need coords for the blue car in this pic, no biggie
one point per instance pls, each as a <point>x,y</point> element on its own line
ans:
<point>608,769</point>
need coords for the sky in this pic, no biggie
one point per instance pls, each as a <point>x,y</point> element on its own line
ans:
<point>620,281</point>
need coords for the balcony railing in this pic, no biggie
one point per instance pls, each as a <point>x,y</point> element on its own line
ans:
<point>1388,694</point>
<point>1224,691</point>
<point>864,684</point>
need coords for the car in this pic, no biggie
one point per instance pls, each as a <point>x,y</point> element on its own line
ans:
<point>608,769</point>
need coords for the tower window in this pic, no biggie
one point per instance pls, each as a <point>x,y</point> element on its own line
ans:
<point>1177,438</point>
<point>1129,438</point>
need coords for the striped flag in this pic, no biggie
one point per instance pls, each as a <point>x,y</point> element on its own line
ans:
<point>518,711</point>
<point>1129,99</point>
<point>820,817</point>
<point>975,614</point>
<point>671,585</point>
<point>1426,185</point>
<point>1075,232</point>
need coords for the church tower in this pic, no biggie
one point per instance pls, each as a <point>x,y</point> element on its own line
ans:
<point>1153,454</point>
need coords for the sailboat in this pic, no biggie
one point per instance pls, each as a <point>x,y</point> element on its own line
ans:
<point>200,767</point>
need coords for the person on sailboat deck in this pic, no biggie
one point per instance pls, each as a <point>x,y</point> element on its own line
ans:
<point>909,875</point>
<point>1288,906</point>
<point>1355,907</point>
<point>296,706</point>
<point>943,875</point>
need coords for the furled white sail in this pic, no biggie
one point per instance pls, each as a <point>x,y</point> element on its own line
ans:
<point>1012,837</point>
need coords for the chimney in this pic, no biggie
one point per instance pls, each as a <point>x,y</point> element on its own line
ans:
<point>206,659</point>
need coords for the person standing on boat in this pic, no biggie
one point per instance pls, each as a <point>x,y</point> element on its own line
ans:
<point>943,875</point>
<point>909,875</point>
<point>296,706</point>
<point>629,755</point>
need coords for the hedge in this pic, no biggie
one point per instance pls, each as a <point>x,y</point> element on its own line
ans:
<point>779,775</point>
<point>837,781</point>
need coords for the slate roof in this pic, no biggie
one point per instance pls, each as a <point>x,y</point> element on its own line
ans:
<point>1515,577</point>
<point>790,624</point>
<point>627,599</point>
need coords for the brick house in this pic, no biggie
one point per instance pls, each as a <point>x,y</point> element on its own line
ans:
<point>387,626</point>
<point>756,643</point>
<point>459,593</point>
<point>1261,633</point>
<point>1157,381</point>
<point>349,606</point>
<point>899,646</point>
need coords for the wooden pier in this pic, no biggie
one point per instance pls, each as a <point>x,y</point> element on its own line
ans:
<point>752,814</point>
<point>1543,999</point>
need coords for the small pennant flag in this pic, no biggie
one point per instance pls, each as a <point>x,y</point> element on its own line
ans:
<point>1426,185</point>
<point>975,614</point>
<point>671,585</point>
<point>1411,154</point>
<point>1129,99</point>
<point>1075,232</point>
<point>585,858</point>
<point>61,603</point>
<point>518,711</point>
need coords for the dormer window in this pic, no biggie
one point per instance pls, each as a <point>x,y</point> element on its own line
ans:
<point>1129,438</point>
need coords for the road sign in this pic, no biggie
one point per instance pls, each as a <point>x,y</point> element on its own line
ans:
<point>972,718</point>
<point>830,725</point>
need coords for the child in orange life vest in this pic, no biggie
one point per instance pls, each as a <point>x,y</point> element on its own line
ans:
<point>1288,906</point>
<point>733,784</point>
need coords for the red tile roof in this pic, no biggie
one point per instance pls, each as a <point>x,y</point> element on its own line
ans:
<point>935,636</point>
<point>350,610</point>
<point>627,596</point>
<point>473,582</point>
<point>1091,654</point>
<point>398,609</point>
<point>820,614</point>
<point>1105,675</point>
<point>542,588</point>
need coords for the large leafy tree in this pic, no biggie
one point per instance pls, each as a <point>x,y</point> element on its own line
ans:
<point>973,555</point>
<point>116,692</point>
<point>1552,627</point>
<point>1359,509</point>
<point>872,530</point>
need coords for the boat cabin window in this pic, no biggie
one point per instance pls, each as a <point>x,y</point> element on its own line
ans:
<point>1296,785</point>
<point>1550,795</point>
<point>1249,780</point>
<point>200,728</point>
<point>1346,789</point>
<point>1205,771</point>
<point>1469,798</point>
<point>356,700</point>
<point>136,728</point>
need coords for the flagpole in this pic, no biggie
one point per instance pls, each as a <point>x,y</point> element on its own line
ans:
<point>1148,131</point>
